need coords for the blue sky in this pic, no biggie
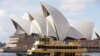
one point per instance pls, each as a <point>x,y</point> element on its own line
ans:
<point>73,10</point>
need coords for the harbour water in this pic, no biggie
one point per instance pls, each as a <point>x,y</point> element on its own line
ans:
<point>8,54</point>
<point>84,54</point>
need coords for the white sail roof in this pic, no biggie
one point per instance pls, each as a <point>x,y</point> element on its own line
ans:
<point>85,28</point>
<point>97,33</point>
<point>60,22</point>
<point>19,30</point>
<point>50,20</point>
<point>40,21</point>
<point>35,28</point>
<point>50,27</point>
<point>53,23</point>
<point>74,33</point>
<point>24,24</point>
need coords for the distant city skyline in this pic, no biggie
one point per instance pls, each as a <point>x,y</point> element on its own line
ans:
<point>73,10</point>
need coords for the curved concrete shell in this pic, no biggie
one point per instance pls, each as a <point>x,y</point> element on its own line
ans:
<point>50,20</point>
<point>35,28</point>
<point>19,30</point>
<point>73,33</point>
<point>60,22</point>
<point>50,30</point>
<point>85,28</point>
<point>24,24</point>
<point>40,21</point>
<point>30,17</point>
<point>43,24</point>
<point>97,35</point>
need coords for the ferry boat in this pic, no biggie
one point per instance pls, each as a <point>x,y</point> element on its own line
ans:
<point>49,47</point>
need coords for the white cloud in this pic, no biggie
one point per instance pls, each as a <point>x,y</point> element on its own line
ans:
<point>25,16</point>
<point>74,6</point>
<point>2,13</point>
<point>1,31</point>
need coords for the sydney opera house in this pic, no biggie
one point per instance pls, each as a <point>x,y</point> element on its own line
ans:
<point>50,34</point>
